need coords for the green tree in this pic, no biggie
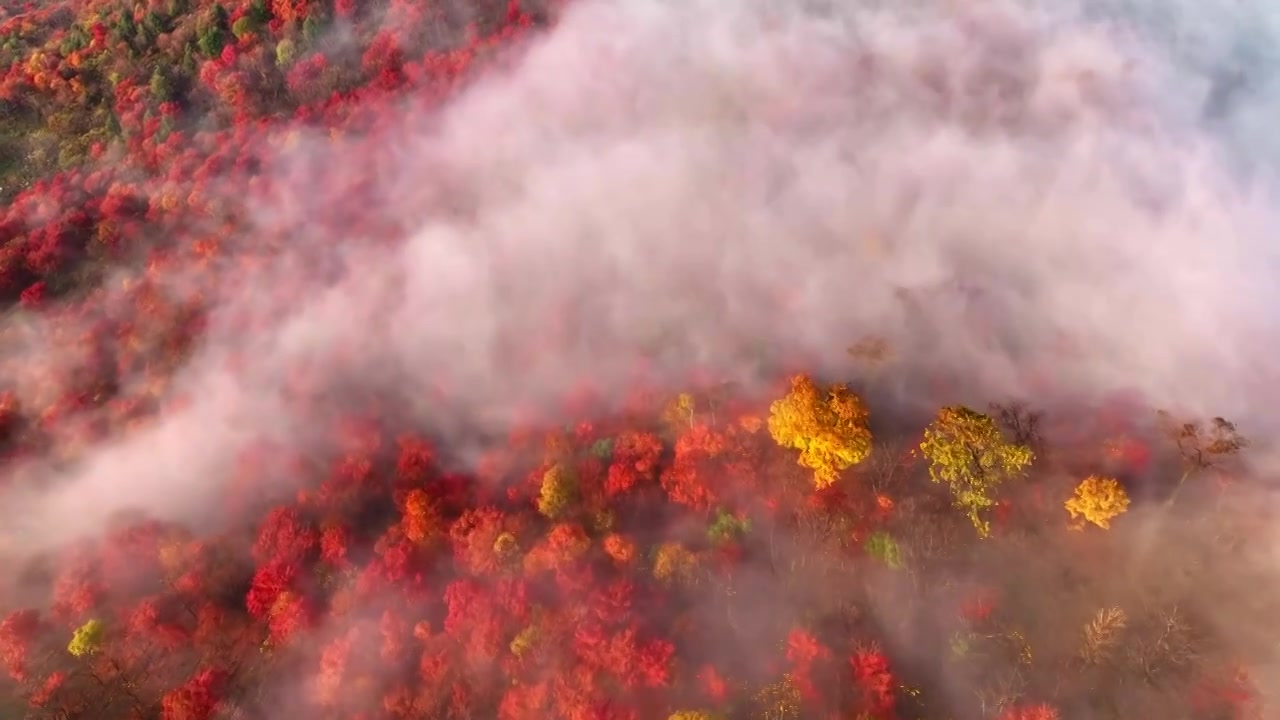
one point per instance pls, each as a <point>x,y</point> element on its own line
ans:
<point>966,450</point>
<point>829,428</point>
<point>244,26</point>
<point>311,28</point>
<point>88,638</point>
<point>161,88</point>
<point>213,34</point>
<point>155,24</point>
<point>884,548</point>
<point>727,527</point>
<point>603,449</point>
<point>286,52</point>
<point>260,11</point>
<point>211,41</point>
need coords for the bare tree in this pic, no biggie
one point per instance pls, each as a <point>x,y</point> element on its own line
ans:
<point>1199,447</point>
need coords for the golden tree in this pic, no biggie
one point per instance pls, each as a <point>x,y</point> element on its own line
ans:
<point>828,428</point>
<point>88,638</point>
<point>1097,500</point>
<point>559,490</point>
<point>674,563</point>
<point>966,450</point>
<point>526,640</point>
<point>779,701</point>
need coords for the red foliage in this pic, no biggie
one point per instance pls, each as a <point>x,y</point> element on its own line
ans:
<point>47,689</point>
<point>1029,712</point>
<point>1229,693</point>
<point>334,541</point>
<point>875,683</point>
<point>18,632</point>
<point>284,536</point>
<point>713,684</point>
<point>196,699</point>
<point>34,295</point>
<point>635,461</point>
<point>689,478</point>
<point>403,581</point>
<point>978,607</point>
<point>269,582</point>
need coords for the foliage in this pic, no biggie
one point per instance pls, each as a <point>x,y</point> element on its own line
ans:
<point>727,527</point>
<point>828,428</point>
<point>665,555</point>
<point>674,563</point>
<point>88,638</point>
<point>778,701</point>
<point>1097,500</point>
<point>881,546</point>
<point>1039,711</point>
<point>525,641</point>
<point>558,491</point>
<point>967,451</point>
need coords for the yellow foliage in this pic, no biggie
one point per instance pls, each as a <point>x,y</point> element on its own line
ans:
<point>694,715</point>
<point>559,489</point>
<point>966,450</point>
<point>779,701</point>
<point>506,547</point>
<point>829,429</point>
<point>525,641</point>
<point>1097,500</point>
<point>674,563</point>
<point>679,413</point>
<point>603,521</point>
<point>87,639</point>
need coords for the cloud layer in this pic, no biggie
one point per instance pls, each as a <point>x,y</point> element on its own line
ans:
<point>1027,201</point>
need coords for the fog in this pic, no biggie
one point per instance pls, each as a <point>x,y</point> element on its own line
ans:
<point>1041,202</point>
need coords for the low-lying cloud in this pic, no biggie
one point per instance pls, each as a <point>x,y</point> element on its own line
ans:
<point>1028,201</point>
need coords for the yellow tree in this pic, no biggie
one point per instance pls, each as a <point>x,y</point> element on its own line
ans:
<point>558,491</point>
<point>1097,500</point>
<point>674,563</point>
<point>829,428</point>
<point>88,638</point>
<point>780,701</point>
<point>694,715</point>
<point>966,450</point>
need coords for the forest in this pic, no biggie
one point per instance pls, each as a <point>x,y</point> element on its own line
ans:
<point>257,464</point>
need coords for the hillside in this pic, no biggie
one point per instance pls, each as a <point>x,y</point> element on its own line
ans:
<point>397,360</point>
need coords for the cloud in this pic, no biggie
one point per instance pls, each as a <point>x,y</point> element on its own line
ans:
<point>1009,195</point>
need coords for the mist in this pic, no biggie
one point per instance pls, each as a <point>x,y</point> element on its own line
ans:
<point>1025,200</point>
<point>1031,202</point>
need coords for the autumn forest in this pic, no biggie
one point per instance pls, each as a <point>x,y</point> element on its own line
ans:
<point>658,537</point>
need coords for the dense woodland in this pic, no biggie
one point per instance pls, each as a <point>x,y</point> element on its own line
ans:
<point>710,551</point>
